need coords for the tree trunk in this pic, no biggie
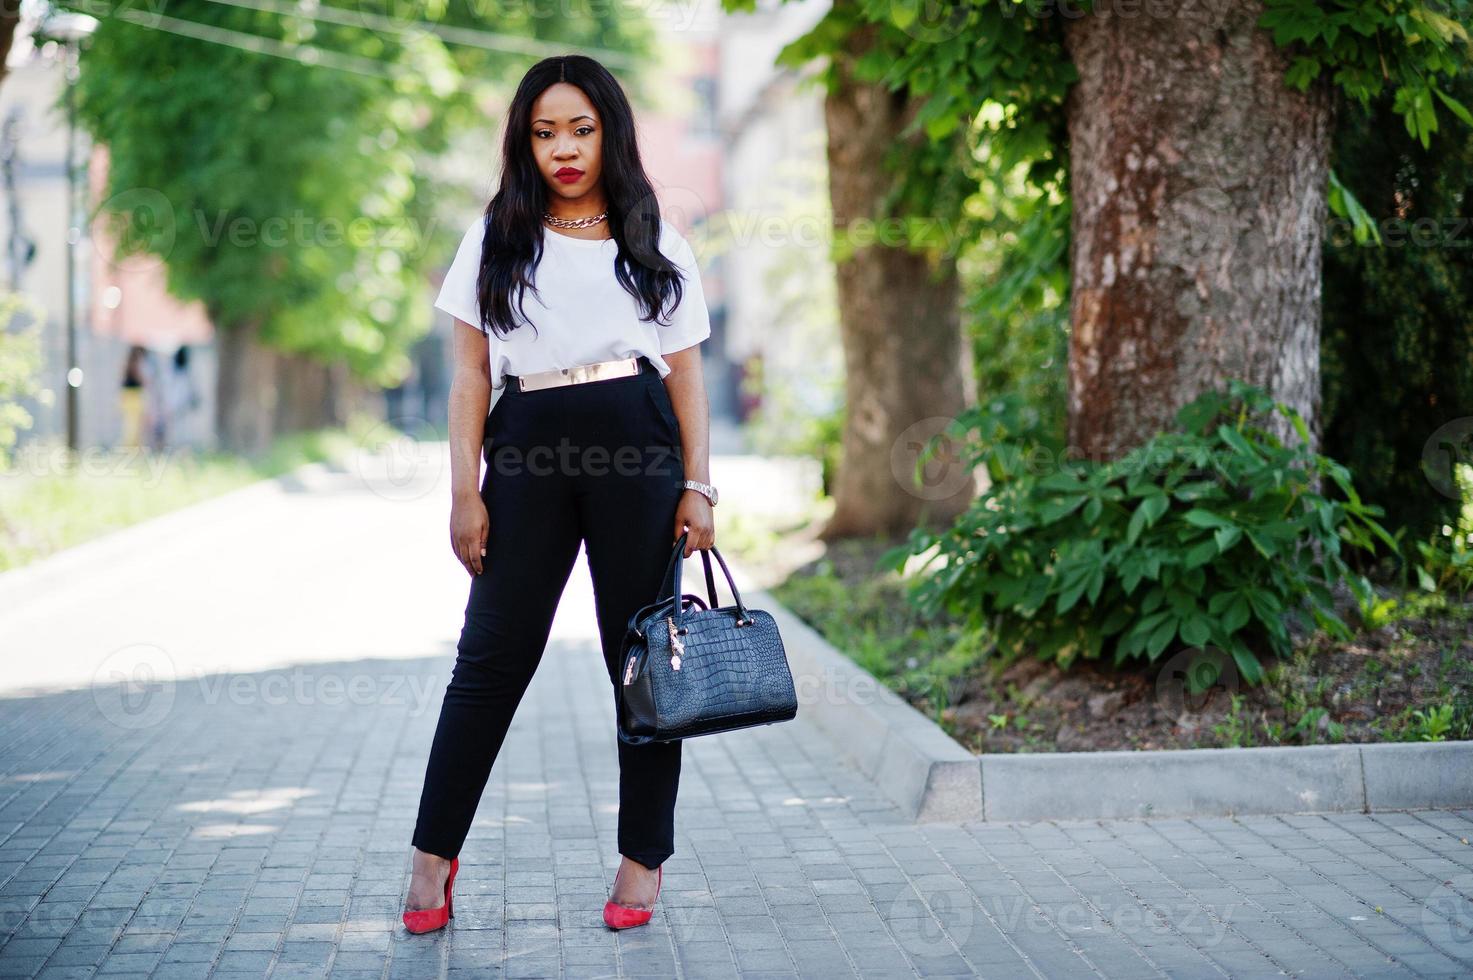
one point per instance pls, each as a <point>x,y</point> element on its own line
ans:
<point>246,390</point>
<point>1199,183</point>
<point>9,20</point>
<point>308,395</point>
<point>900,326</point>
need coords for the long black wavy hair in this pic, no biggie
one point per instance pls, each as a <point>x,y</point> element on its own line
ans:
<point>513,241</point>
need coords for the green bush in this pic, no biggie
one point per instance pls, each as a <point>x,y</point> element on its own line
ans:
<point>1446,557</point>
<point>1218,534</point>
<point>20,368</point>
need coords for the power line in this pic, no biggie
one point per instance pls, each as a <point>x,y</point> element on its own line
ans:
<point>313,56</point>
<point>302,54</point>
<point>468,36</point>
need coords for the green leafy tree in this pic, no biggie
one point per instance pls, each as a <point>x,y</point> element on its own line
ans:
<point>1166,244</point>
<point>283,179</point>
<point>1398,341</point>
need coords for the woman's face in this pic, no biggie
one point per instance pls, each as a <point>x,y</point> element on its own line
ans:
<point>567,141</point>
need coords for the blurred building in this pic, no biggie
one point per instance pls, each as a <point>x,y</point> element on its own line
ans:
<point>778,278</point>
<point>734,145</point>
<point>117,302</point>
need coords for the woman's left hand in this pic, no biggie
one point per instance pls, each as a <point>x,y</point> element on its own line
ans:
<point>694,513</point>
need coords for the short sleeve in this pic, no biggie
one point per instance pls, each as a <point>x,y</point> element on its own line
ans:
<point>458,290</point>
<point>691,322</point>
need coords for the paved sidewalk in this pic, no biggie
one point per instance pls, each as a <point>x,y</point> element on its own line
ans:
<point>256,822</point>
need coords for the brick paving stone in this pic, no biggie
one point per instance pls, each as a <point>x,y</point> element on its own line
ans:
<point>258,825</point>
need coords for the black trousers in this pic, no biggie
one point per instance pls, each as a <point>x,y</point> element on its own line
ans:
<point>597,463</point>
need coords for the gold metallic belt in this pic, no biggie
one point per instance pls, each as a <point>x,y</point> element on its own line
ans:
<point>600,371</point>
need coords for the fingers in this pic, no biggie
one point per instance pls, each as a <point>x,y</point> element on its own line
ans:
<point>700,535</point>
<point>701,538</point>
<point>469,551</point>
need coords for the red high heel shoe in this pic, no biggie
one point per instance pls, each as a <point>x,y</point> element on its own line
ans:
<point>618,916</point>
<point>427,920</point>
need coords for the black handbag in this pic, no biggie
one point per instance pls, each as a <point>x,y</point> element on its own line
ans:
<point>689,668</point>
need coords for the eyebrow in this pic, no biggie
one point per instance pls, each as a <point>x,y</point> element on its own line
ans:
<point>554,122</point>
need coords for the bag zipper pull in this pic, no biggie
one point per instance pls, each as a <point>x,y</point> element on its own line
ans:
<point>629,670</point>
<point>677,645</point>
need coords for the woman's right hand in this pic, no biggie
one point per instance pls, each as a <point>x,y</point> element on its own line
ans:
<point>469,523</point>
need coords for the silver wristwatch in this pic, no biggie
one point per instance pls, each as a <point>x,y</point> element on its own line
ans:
<point>705,489</point>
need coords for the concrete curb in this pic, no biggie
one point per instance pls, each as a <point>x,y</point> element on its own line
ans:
<point>914,763</point>
<point>929,776</point>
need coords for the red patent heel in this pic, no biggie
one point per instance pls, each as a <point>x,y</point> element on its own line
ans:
<point>428,920</point>
<point>618,916</point>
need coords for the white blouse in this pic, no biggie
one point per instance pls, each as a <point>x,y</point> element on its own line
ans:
<point>584,315</point>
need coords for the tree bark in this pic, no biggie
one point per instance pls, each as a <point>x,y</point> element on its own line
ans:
<point>318,395</point>
<point>1198,183</point>
<point>308,395</point>
<point>9,20</point>
<point>900,327</point>
<point>246,390</point>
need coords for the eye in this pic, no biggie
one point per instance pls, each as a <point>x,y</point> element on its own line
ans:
<point>585,130</point>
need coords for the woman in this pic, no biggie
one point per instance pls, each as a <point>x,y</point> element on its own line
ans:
<point>137,383</point>
<point>582,311</point>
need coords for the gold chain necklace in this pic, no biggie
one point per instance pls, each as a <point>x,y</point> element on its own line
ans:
<point>573,222</point>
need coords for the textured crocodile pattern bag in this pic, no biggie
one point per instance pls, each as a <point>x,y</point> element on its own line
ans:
<point>690,668</point>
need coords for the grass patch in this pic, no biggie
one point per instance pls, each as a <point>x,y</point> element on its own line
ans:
<point>51,500</point>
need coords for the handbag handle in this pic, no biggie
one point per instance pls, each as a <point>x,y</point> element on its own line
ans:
<point>674,555</point>
<point>742,618</point>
